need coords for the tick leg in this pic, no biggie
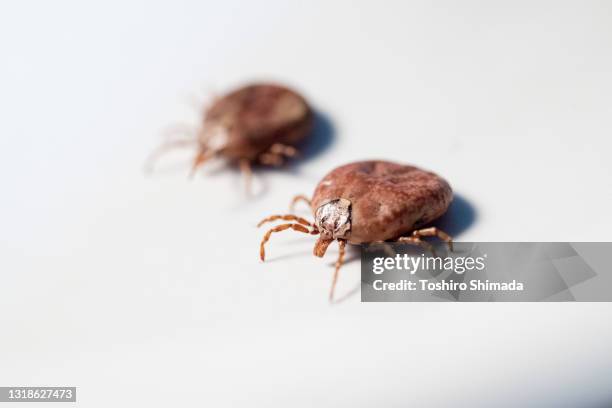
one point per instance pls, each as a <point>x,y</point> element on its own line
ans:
<point>284,150</point>
<point>279,228</point>
<point>276,154</point>
<point>339,263</point>
<point>271,159</point>
<point>434,232</point>
<point>179,129</point>
<point>157,153</point>
<point>202,156</point>
<point>286,217</point>
<point>417,241</point>
<point>296,199</point>
<point>245,169</point>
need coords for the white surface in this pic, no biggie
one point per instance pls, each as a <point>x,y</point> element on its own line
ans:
<point>151,287</point>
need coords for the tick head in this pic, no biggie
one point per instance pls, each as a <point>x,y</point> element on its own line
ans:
<point>333,219</point>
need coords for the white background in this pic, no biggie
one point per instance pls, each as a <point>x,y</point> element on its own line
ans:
<point>148,289</point>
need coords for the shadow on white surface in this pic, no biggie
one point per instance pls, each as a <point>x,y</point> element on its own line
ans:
<point>460,216</point>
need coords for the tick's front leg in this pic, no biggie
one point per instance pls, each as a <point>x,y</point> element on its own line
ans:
<point>285,217</point>
<point>279,228</point>
<point>339,263</point>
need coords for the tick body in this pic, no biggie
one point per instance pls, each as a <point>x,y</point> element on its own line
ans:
<point>259,123</point>
<point>370,201</point>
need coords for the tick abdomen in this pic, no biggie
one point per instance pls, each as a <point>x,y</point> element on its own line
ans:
<point>257,116</point>
<point>387,199</point>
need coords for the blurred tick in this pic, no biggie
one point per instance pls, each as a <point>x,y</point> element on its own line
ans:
<point>256,124</point>
<point>370,201</point>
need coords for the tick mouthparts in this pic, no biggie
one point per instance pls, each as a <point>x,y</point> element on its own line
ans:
<point>333,219</point>
<point>321,246</point>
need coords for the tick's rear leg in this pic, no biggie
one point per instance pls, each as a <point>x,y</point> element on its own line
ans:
<point>339,263</point>
<point>285,217</point>
<point>417,242</point>
<point>271,159</point>
<point>296,199</point>
<point>279,228</point>
<point>434,232</point>
<point>283,150</point>
<point>276,154</point>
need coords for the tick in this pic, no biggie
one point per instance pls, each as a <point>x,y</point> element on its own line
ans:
<point>367,202</point>
<point>260,123</point>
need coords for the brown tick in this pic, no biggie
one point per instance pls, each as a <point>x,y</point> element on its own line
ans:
<point>256,124</point>
<point>370,201</point>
